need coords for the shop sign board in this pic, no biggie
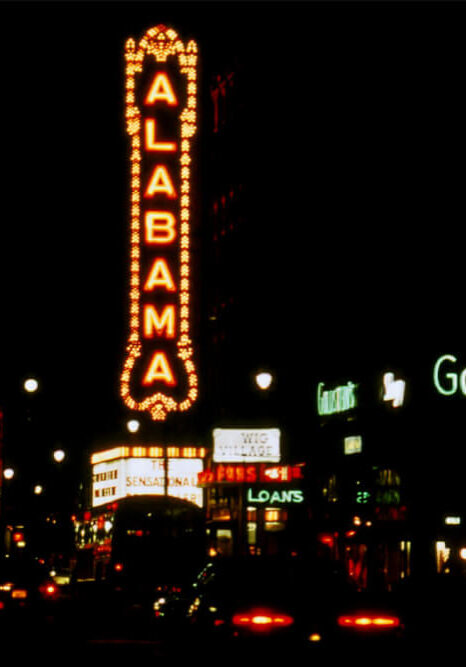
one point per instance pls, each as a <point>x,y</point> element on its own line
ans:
<point>240,473</point>
<point>119,478</point>
<point>272,496</point>
<point>353,444</point>
<point>339,399</point>
<point>159,373</point>
<point>246,445</point>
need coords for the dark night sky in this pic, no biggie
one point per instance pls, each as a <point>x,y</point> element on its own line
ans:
<point>362,142</point>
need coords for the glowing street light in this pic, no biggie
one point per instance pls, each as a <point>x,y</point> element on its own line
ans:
<point>31,385</point>
<point>133,425</point>
<point>58,455</point>
<point>38,489</point>
<point>264,380</point>
<point>8,473</point>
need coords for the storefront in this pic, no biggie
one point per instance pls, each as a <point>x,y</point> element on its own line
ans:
<point>362,505</point>
<point>255,502</point>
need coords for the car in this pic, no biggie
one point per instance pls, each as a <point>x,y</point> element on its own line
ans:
<point>276,602</point>
<point>25,584</point>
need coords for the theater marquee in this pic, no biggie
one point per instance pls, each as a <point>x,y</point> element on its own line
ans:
<point>159,374</point>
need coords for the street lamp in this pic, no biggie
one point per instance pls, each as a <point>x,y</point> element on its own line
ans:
<point>31,385</point>
<point>264,380</point>
<point>133,425</point>
<point>58,455</point>
<point>8,473</point>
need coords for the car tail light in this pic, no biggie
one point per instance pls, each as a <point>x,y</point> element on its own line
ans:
<point>19,594</point>
<point>48,590</point>
<point>262,620</point>
<point>368,621</point>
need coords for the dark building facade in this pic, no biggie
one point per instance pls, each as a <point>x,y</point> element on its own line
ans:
<point>311,278</point>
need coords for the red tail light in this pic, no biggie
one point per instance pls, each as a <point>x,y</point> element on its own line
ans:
<point>262,620</point>
<point>48,590</point>
<point>368,621</point>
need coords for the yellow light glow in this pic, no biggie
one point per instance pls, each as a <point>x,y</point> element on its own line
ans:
<point>156,452</point>
<point>173,452</point>
<point>164,229</point>
<point>110,454</point>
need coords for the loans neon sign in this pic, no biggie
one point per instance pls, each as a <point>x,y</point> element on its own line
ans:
<point>159,373</point>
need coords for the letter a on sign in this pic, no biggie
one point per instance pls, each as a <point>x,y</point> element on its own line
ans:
<point>161,90</point>
<point>159,370</point>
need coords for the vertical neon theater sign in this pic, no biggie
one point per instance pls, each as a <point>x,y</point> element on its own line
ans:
<point>159,374</point>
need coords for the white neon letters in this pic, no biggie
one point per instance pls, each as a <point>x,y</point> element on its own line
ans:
<point>394,390</point>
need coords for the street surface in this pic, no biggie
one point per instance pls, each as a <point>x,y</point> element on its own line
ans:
<point>94,628</point>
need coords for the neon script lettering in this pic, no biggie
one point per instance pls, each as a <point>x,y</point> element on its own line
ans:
<point>159,374</point>
<point>336,400</point>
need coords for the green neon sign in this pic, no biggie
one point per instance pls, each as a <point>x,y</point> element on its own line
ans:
<point>447,383</point>
<point>271,497</point>
<point>340,399</point>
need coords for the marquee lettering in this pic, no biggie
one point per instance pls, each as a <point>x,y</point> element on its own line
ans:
<point>161,90</point>
<point>151,143</point>
<point>159,370</point>
<point>160,183</point>
<point>160,325</point>
<point>160,227</point>
<point>159,276</point>
<point>159,374</point>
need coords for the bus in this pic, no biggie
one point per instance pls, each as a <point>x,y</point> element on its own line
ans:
<point>145,541</point>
